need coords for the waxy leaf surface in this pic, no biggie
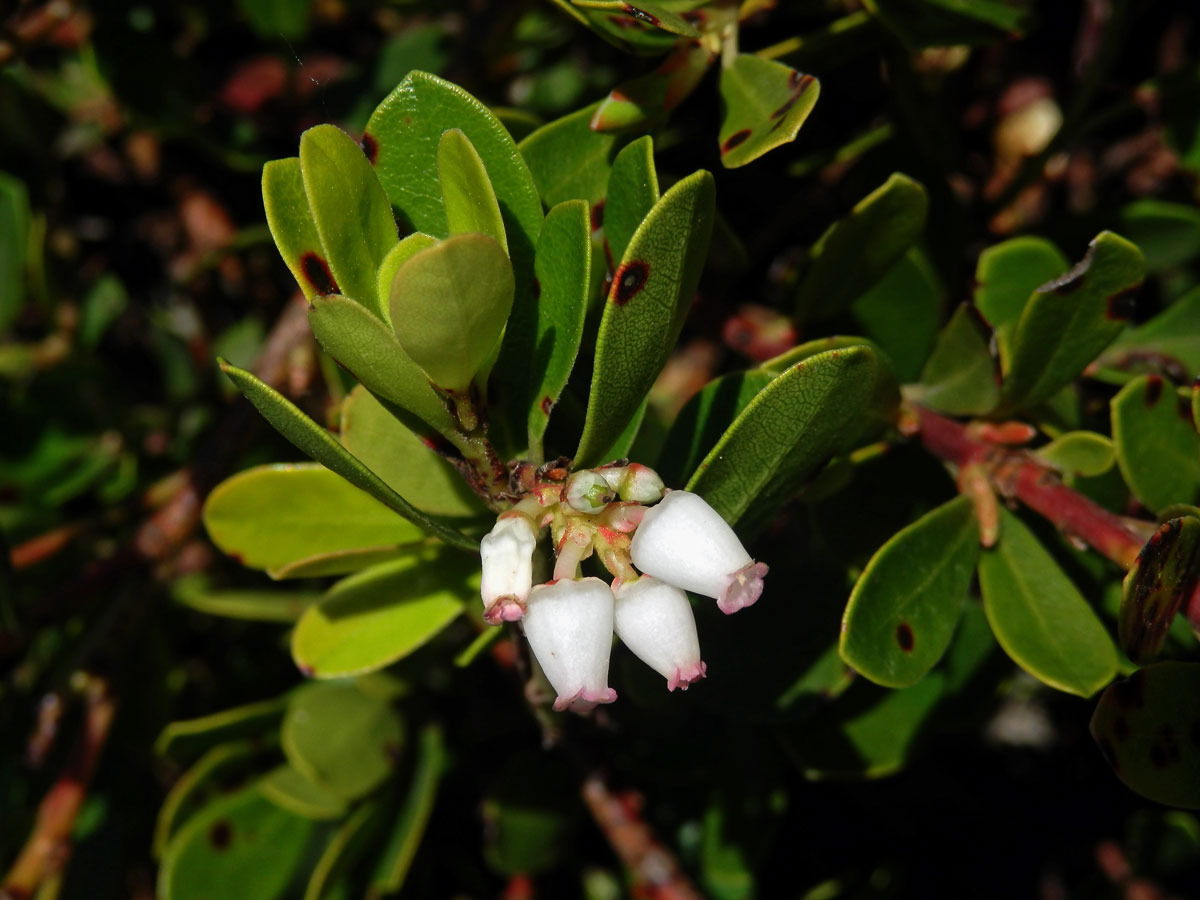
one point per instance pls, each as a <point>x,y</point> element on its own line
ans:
<point>763,105</point>
<point>1079,453</point>
<point>398,256</point>
<point>568,160</point>
<point>1006,276</point>
<point>960,376</point>
<point>632,193</point>
<point>467,193</point>
<point>1158,450</point>
<point>291,222</point>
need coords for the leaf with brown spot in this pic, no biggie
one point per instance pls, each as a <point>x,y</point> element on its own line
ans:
<point>763,105</point>
<point>1158,451</point>
<point>291,222</point>
<point>1163,578</point>
<point>644,101</point>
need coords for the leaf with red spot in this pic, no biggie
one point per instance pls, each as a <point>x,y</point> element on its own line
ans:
<point>644,101</point>
<point>643,28</point>
<point>632,193</point>
<point>1162,581</point>
<point>1148,728</point>
<point>291,222</point>
<point>905,606</point>
<point>650,296</point>
<point>1158,450</point>
<point>1169,342</point>
<point>763,104</point>
<point>1069,321</point>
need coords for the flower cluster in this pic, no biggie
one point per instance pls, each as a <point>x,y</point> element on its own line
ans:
<point>654,552</point>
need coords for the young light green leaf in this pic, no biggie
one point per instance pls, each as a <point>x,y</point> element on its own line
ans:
<point>1158,450</point>
<point>1069,321</point>
<point>763,105</point>
<point>467,193</point>
<point>542,339</point>
<point>341,739</point>
<point>1079,453</point>
<point>960,376</point>
<point>350,209</point>
<point>1174,333</point>
<point>1006,275</point>
<point>1144,726</point>
<point>568,160</point>
<point>905,606</point>
<point>372,619</point>
<point>15,223</point>
<point>821,406</point>
<point>288,789</point>
<point>632,193</point>
<point>1167,233</point>
<point>1160,582</point>
<point>273,515</point>
<point>449,305</point>
<point>318,444</point>
<point>189,737</point>
<point>200,782</point>
<point>1039,617</point>
<point>644,101</point>
<point>398,256</point>
<point>855,252</point>
<point>291,222</point>
<point>651,293</point>
<point>902,313</point>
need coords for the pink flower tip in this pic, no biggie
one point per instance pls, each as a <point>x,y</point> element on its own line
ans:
<point>508,608</point>
<point>743,589</point>
<point>687,675</point>
<point>584,701</point>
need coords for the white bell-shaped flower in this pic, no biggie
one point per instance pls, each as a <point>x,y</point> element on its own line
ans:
<point>685,542</point>
<point>654,620</point>
<point>569,626</point>
<point>507,554</point>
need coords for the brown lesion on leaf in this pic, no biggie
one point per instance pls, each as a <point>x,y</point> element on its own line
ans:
<point>641,15</point>
<point>220,834</point>
<point>1154,387</point>
<point>735,140</point>
<point>370,146</point>
<point>1131,693</point>
<point>1120,305</point>
<point>316,273</point>
<point>905,638</point>
<point>799,84</point>
<point>628,280</point>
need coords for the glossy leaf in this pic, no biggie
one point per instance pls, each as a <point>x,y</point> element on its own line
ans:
<point>1039,617</point>
<point>195,786</point>
<point>821,406</point>
<point>398,256</point>
<point>960,376</point>
<point>1079,453</point>
<point>1173,333</point>
<point>1158,450</point>
<point>372,619</point>
<point>190,737</point>
<point>777,365</point>
<point>291,222</point>
<point>632,193</point>
<point>1069,321</point>
<point>906,604</point>
<point>403,460</point>
<point>1006,275</point>
<point>224,844</point>
<point>856,251</point>
<point>650,296</point>
<point>1145,725</point>
<point>902,313</point>
<point>273,515</point>
<point>763,105</point>
<point>467,194</point>
<point>568,160</point>
<point>350,209</point>
<point>313,440</point>
<point>1167,233</point>
<point>449,304</point>
<point>342,739</point>
<point>543,337</point>
<point>1162,579</point>
<point>644,101</point>
<point>299,795</point>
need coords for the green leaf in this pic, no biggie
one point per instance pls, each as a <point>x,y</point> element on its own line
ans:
<point>650,12</point>
<point>1174,333</point>
<point>274,19</point>
<point>225,844</point>
<point>1039,617</point>
<point>372,619</point>
<point>345,849</point>
<point>369,350</point>
<point>1167,233</point>
<point>905,606</point>
<point>1158,450</point>
<point>1079,453</point>
<point>902,313</point>
<point>15,224</point>
<point>940,23</point>
<point>403,460</point>
<point>350,209</point>
<point>821,406</point>
<point>1005,277</point>
<point>190,737</point>
<point>624,27</point>
<point>343,562</point>
<point>397,856</point>
<point>543,337</point>
<point>343,740</point>
<point>103,305</point>
<point>467,194</point>
<point>528,814</point>
<point>568,160</point>
<point>291,222</point>
<point>294,792</point>
<point>250,605</point>
<point>704,418</point>
<point>398,256</point>
<point>313,440</point>
<point>1162,579</point>
<point>856,251</point>
<point>273,515</point>
<point>449,304</point>
<point>195,786</point>
<point>960,376</point>
<point>763,105</point>
<point>1145,727</point>
<point>632,193</point>
<point>1069,321</point>
<point>646,100</point>
<point>650,296</point>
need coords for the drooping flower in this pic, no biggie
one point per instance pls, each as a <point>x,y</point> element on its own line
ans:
<point>654,620</point>
<point>685,542</point>
<point>507,553</point>
<point>569,626</point>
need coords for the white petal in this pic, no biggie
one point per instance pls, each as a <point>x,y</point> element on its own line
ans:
<point>654,620</point>
<point>507,553</point>
<point>569,626</point>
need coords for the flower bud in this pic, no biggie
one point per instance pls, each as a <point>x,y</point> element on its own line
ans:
<point>569,626</point>
<point>588,492</point>
<point>685,542</point>
<point>654,620</point>
<point>507,553</point>
<point>634,483</point>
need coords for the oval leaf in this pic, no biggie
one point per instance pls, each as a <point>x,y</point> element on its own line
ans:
<point>195,786</point>
<point>1173,333</point>
<point>568,160</point>
<point>291,222</point>
<point>960,375</point>
<point>643,101</point>
<point>190,737</point>
<point>467,194</point>
<point>288,789</point>
<point>398,256</point>
<point>1005,277</point>
<point>1162,579</point>
<point>1079,453</point>
<point>902,313</point>
<point>763,105</point>
<point>632,193</point>
<point>1158,450</point>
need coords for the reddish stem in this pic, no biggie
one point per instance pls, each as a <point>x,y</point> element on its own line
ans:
<point>1016,474</point>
